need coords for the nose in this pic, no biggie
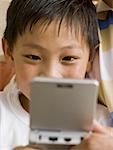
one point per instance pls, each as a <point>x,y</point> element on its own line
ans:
<point>51,71</point>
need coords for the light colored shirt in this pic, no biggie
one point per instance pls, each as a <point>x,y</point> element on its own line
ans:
<point>14,120</point>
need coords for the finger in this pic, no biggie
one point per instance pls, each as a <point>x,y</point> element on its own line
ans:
<point>98,128</point>
<point>81,146</point>
<point>22,148</point>
<point>109,131</point>
<point>38,147</point>
<point>30,147</point>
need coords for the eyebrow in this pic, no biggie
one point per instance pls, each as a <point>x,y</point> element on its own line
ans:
<point>37,46</point>
<point>34,46</point>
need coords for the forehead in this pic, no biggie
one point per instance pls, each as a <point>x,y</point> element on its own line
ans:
<point>54,32</point>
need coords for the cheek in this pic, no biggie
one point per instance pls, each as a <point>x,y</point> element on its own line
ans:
<point>24,75</point>
<point>77,71</point>
<point>80,72</point>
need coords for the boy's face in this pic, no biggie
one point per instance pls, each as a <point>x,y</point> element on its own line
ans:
<point>47,54</point>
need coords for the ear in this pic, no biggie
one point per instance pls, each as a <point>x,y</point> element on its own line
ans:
<point>89,66</point>
<point>6,50</point>
<point>93,59</point>
<point>94,69</point>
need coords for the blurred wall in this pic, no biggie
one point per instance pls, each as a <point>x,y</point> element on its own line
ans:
<point>3,7</point>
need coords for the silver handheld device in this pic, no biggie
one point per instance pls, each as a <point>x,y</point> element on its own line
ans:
<point>62,111</point>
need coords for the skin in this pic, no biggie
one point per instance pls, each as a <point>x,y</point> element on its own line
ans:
<point>6,72</point>
<point>6,69</point>
<point>47,54</point>
<point>101,138</point>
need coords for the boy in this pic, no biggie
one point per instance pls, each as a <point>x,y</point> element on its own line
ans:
<point>53,38</point>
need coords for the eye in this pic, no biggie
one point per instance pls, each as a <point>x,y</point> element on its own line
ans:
<point>33,57</point>
<point>69,59</point>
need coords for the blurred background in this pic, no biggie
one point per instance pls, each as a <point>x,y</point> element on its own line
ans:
<point>3,7</point>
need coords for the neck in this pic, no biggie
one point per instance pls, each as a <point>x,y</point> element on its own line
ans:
<point>24,102</point>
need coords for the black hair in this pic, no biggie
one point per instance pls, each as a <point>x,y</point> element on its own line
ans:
<point>77,13</point>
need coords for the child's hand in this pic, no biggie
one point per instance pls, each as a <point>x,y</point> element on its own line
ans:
<point>101,138</point>
<point>30,147</point>
<point>24,148</point>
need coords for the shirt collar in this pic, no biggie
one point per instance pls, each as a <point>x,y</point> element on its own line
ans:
<point>12,96</point>
<point>102,6</point>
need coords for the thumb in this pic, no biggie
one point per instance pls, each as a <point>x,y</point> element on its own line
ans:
<point>98,128</point>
